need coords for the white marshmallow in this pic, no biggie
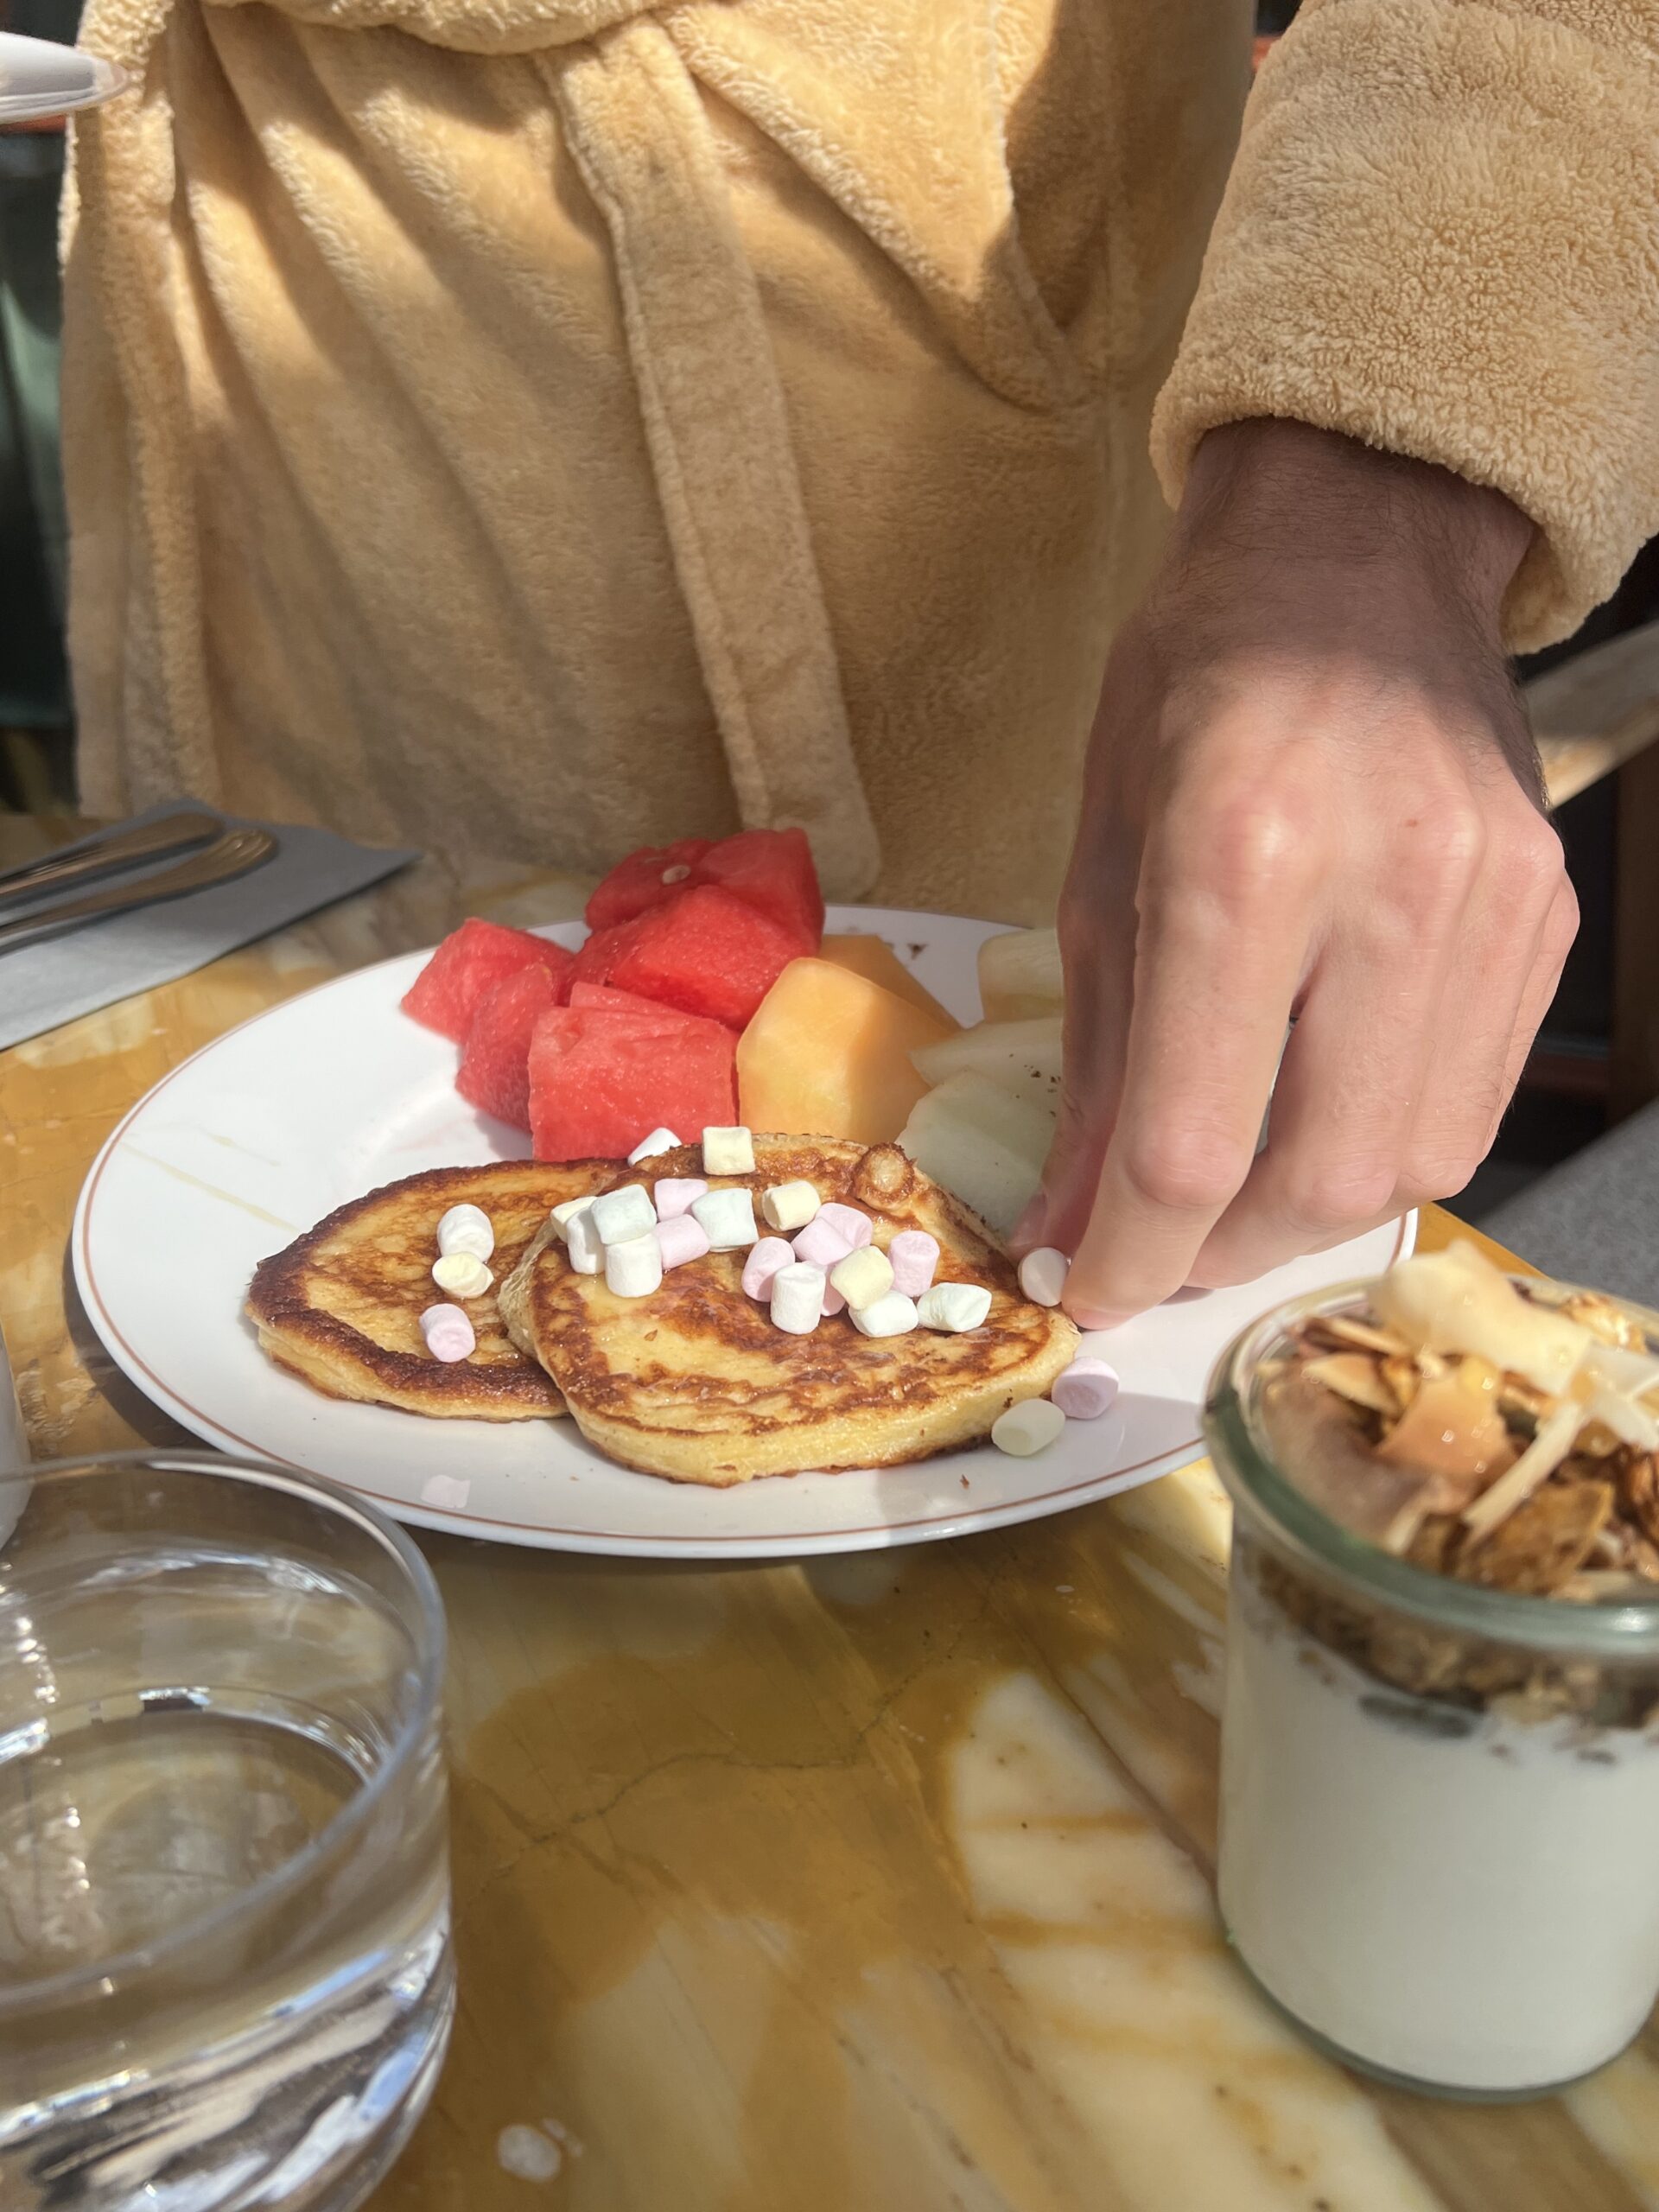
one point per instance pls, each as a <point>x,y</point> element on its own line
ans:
<point>1085,1389</point>
<point>676,1194</point>
<point>789,1206</point>
<point>634,1268</point>
<point>797,1298</point>
<point>465,1229</point>
<point>584,1244</point>
<point>727,1151</point>
<point>621,1216</point>
<point>862,1277</point>
<point>648,1147</point>
<point>1043,1274</point>
<point>463,1275</point>
<point>892,1316</point>
<point>857,1228</point>
<point>448,1333</point>
<point>729,1217</point>
<point>562,1216</point>
<point>680,1239</point>
<point>822,1243</point>
<point>956,1307</point>
<point>913,1255</point>
<point>767,1259</point>
<point>1030,1426</point>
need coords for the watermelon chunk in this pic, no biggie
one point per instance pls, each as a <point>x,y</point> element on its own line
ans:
<point>600,1079</point>
<point>445,993</point>
<point>644,879</point>
<point>706,953</point>
<point>771,869</point>
<point>600,995</point>
<point>495,1072</point>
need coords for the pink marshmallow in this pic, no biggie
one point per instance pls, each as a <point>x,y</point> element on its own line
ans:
<point>448,1333</point>
<point>681,1238</point>
<point>1085,1391</point>
<point>676,1194</point>
<point>821,1244</point>
<point>833,1300</point>
<point>914,1258</point>
<point>764,1262</point>
<point>856,1228</point>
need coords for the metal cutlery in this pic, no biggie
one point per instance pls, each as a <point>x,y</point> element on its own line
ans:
<point>234,853</point>
<point>115,850</point>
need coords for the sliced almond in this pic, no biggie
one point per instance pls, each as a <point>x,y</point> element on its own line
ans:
<point>1353,1376</point>
<point>1403,1377</point>
<point>1363,1334</point>
<point>1555,1438</point>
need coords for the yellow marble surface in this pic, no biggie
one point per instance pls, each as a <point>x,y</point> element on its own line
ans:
<point>869,1882</point>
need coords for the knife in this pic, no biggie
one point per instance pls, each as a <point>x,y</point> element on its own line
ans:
<point>234,854</point>
<point>106,854</point>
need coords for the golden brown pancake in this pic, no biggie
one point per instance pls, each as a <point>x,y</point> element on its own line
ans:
<point>696,1384</point>
<point>341,1307</point>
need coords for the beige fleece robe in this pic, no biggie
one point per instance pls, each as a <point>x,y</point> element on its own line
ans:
<point>539,427</point>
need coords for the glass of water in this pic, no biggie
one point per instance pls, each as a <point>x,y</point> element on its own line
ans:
<point>225,1979</point>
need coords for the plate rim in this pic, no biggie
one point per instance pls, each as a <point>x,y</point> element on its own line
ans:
<point>538,1535</point>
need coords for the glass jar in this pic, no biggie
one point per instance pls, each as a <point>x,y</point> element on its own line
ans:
<point>1439,1813</point>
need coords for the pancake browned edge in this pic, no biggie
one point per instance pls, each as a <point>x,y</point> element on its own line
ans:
<point>696,1383</point>
<point>341,1307</point>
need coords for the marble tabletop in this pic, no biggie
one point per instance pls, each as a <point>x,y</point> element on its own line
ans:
<point>865,1883</point>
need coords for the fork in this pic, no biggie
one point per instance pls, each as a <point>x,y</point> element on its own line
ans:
<point>236,853</point>
<point>105,856</point>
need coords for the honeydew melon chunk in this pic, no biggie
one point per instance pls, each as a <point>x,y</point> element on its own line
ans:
<point>1020,975</point>
<point>984,1144</point>
<point>1019,1055</point>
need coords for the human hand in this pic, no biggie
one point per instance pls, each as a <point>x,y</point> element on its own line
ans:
<point>1311,795</point>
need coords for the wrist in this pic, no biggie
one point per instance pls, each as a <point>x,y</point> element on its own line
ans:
<point>1315,499</point>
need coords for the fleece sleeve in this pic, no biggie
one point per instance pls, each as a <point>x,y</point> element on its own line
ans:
<point>1441,236</point>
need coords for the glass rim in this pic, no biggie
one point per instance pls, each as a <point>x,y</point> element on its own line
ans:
<point>430,1651</point>
<point>1627,1631</point>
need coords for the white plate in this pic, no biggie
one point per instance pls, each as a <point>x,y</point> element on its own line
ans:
<point>39,79</point>
<point>275,1124</point>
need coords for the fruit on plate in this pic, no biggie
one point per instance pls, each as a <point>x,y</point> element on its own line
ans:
<point>877,961</point>
<point>707,952</point>
<point>985,1144</point>
<point>827,1054</point>
<point>771,870</point>
<point>600,1077</point>
<point>1020,975</point>
<point>446,993</point>
<point>1019,1055</point>
<point>495,1072</point>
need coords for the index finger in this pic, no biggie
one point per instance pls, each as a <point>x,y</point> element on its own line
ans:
<point>1220,954</point>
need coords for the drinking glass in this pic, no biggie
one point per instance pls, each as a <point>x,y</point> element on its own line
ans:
<point>225,1979</point>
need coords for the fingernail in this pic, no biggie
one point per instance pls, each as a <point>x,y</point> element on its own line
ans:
<point>1029,1226</point>
<point>1097,1317</point>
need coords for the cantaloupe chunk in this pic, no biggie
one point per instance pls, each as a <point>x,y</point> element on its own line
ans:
<point>827,1055</point>
<point>876,961</point>
<point>1020,975</point>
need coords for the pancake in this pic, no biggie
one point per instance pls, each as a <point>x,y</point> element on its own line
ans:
<point>341,1307</point>
<point>695,1382</point>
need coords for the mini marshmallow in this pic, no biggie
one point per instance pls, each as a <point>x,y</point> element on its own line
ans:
<point>862,1277</point>
<point>562,1216</point>
<point>448,1333</point>
<point>767,1259</point>
<point>677,1195</point>
<point>892,1316</point>
<point>913,1255</point>
<point>727,1151</point>
<point>621,1216</point>
<point>465,1229</point>
<point>1086,1390</point>
<point>680,1239</point>
<point>1030,1426</point>
<point>1042,1276</point>
<point>729,1217</point>
<point>956,1307</point>
<point>857,1228</point>
<point>789,1206</point>
<point>633,1267</point>
<point>833,1300</point>
<point>797,1298</point>
<point>463,1275</point>
<point>648,1147</point>
<point>584,1244</point>
<point>821,1244</point>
